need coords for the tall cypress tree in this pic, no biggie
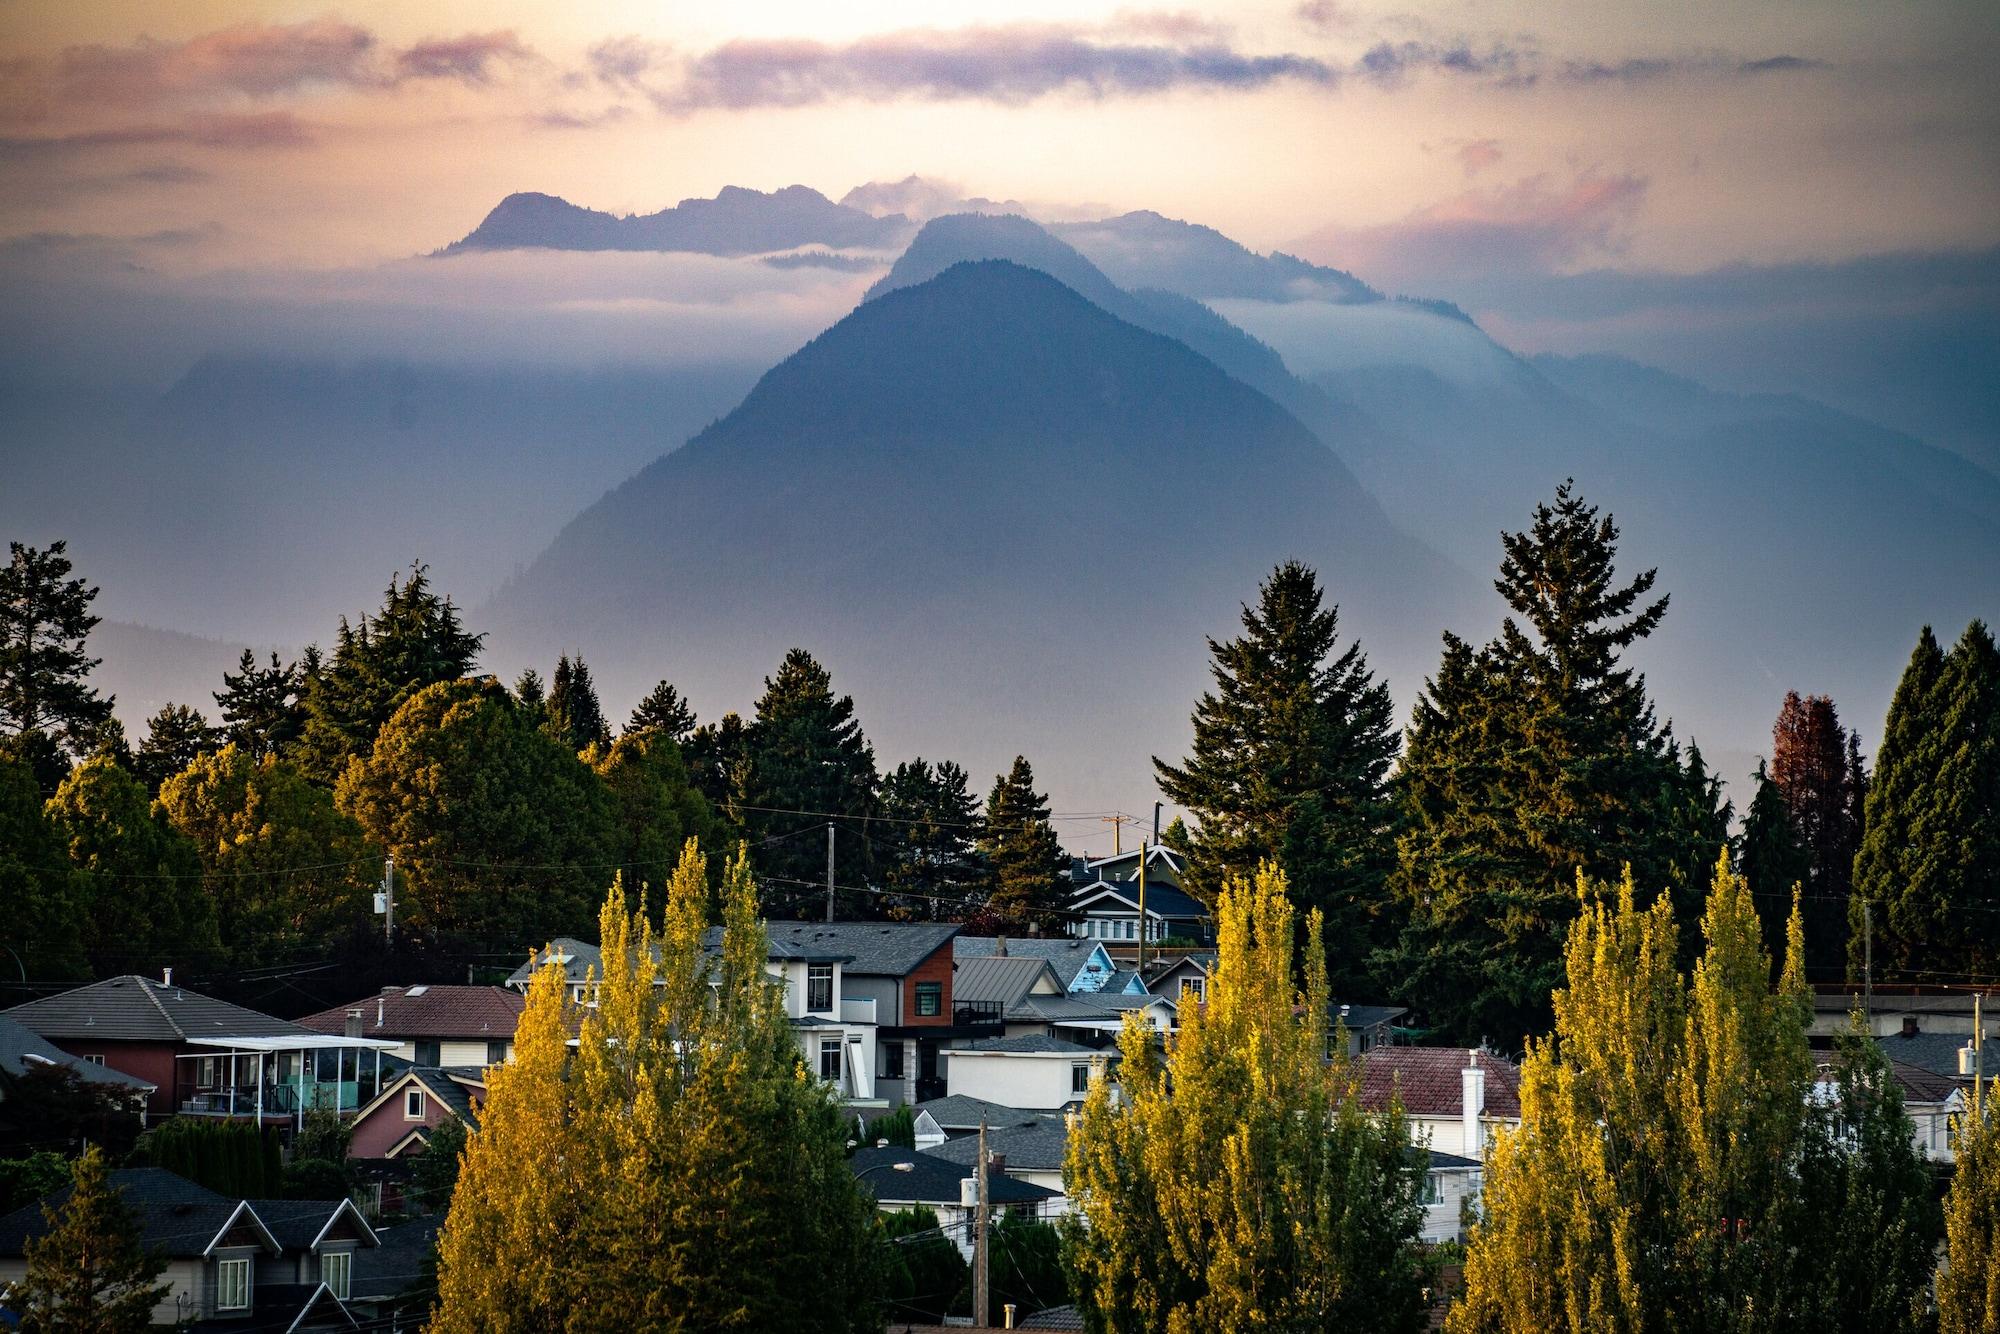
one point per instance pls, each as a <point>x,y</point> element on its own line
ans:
<point>1291,762</point>
<point>413,641</point>
<point>1929,864</point>
<point>664,710</point>
<point>1029,868</point>
<point>45,620</point>
<point>575,717</point>
<point>808,763</point>
<point>261,707</point>
<point>1529,759</point>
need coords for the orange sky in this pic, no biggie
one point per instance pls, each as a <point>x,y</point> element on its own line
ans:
<point>297,135</point>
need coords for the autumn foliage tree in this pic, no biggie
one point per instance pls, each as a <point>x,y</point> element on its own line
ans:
<point>1968,1284</point>
<point>1245,1188</point>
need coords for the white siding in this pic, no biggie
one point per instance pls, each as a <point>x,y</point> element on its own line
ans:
<point>1030,1082</point>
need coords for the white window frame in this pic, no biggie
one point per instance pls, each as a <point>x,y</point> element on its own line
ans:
<point>1079,1077</point>
<point>413,1098</point>
<point>816,972</point>
<point>835,1048</point>
<point>232,1279</point>
<point>95,1060</point>
<point>1433,1189</point>
<point>336,1270</point>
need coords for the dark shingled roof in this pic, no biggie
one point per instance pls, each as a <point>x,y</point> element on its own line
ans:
<point>957,1111</point>
<point>144,1009</point>
<point>1032,1044</point>
<point>1036,1146</point>
<point>297,1223</point>
<point>490,1013</point>
<point>1430,1081</point>
<point>1164,900</point>
<point>1054,1317</point>
<point>22,1050</point>
<point>400,1260</point>
<point>934,1180</point>
<point>176,1216</point>
<point>454,1096</point>
<point>1935,1052</point>
<point>871,949</point>
<point>1450,1162</point>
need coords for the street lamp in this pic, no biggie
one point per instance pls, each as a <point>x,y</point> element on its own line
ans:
<point>900,1165</point>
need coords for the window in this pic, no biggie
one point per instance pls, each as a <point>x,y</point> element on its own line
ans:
<point>930,999</point>
<point>496,1053</point>
<point>334,1270</point>
<point>427,1052</point>
<point>819,988</point>
<point>1192,989</point>
<point>1433,1188</point>
<point>95,1060</point>
<point>232,1285</point>
<point>892,1060</point>
<point>829,1060</point>
<point>204,1072</point>
<point>1079,1077</point>
<point>413,1104</point>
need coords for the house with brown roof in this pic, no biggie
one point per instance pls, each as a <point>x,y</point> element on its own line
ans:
<point>456,1026</point>
<point>1454,1097</point>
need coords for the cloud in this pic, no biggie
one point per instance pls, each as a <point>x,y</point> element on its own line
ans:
<point>1645,69</point>
<point>1478,154</point>
<point>469,58</point>
<point>1010,65</point>
<point>250,130</point>
<point>1324,15</point>
<point>1390,63</point>
<point>1535,225</point>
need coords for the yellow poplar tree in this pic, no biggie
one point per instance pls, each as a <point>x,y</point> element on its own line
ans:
<point>1968,1284</point>
<point>1240,1185</point>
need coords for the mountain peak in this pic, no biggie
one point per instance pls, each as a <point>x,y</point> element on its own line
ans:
<point>737,221</point>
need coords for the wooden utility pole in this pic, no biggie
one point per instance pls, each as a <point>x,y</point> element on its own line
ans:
<point>1145,849</point>
<point>1978,1056</point>
<point>829,870</point>
<point>389,901</point>
<point>1868,963</point>
<point>979,1258</point>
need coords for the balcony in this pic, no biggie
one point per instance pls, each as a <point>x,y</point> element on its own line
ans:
<point>979,1014</point>
<point>857,1011</point>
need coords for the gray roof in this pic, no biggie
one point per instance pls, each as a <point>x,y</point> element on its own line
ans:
<point>1068,955</point>
<point>1370,1016</point>
<point>1036,1146</point>
<point>21,1050</point>
<point>401,1259</point>
<point>1450,1162</point>
<point>452,1095</point>
<point>872,949</point>
<point>1935,1052</point>
<point>144,1009</point>
<point>1033,1044</point>
<point>1007,980</point>
<point>297,1223</point>
<point>783,948</point>
<point>1161,900</point>
<point>176,1216</point>
<point>933,1180</point>
<point>1055,1318</point>
<point>1085,1009</point>
<point>957,1111</point>
<point>580,958</point>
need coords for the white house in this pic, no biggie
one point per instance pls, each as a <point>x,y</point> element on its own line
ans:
<point>1454,1097</point>
<point>1450,1181</point>
<point>1035,1073</point>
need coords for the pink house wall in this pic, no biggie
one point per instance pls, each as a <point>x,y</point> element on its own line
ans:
<point>385,1127</point>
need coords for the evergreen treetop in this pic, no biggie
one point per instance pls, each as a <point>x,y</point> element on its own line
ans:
<point>1029,868</point>
<point>176,737</point>
<point>45,621</point>
<point>89,1274</point>
<point>803,761</point>
<point>261,706</point>
<point>575,717</point>
<point>664,710</point>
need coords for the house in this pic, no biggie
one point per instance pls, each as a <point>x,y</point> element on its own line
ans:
<point>205,1057</point>
<point>400,1119</point>
<point>1164,866</point>
<point>1454,1097</point>
<point>1108,910</point>
<point>432,1025</point>
<point>23,1051</point>
<point>242,1264</point>
<point>1451,1181</point>
<point>582,964</point>
<point>1032,1001</point>
<point>1039,1073</point>
<point>956,1115</point>
<point>1897,1010</point>
<point>902,1179</point>
<point>1183,977</point>
<point>1081,965</point>
<point>1029,1147</point>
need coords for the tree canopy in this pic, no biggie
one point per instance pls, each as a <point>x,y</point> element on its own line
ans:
<point>1029,869</point>
<point>89,1274</point>
<point>45,621</point>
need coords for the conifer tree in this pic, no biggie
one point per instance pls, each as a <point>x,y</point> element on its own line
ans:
<point>261,707</point>
<point>286,870</point>
<point>142,896</point>
<point>1968,1283</point>
<point>176,736</point>
<point>1930,857</point>
<point>1772,856</point>
<point>1029,869</point>
<point>1814,770</point>
<point>45,897</point>
<point>718,759</point>
<point>575,717</point>
<point>655,807</point>
<point>933,823</point>
<point>89,1274</point>
<point>1291,761</point>
<point>498,829</point>
<point>1528,760</point>
<point>415,640</point>
<point>666,711</point>
<point>1249,1190</point>
<point>805,761</point>
<point>45,621</point>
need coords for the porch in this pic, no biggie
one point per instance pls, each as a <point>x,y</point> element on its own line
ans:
<point>277,1078</point>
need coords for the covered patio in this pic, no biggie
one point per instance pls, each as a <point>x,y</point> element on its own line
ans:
<point>277,1077</point>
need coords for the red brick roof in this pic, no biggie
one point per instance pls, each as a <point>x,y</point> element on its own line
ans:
<point>1429,1078</point>
<point>429,1012</point>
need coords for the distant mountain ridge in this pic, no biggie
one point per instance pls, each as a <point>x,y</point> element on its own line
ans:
<point>736,222</point>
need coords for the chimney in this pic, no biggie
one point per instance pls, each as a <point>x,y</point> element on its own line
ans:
<point>996,1164</point>
<point>352,1028</point>
<point>379,1004</point>
<point>1002,949</point>
<point>1909,1025</point>
<point>1473,1094</point>
<point>167,976</point>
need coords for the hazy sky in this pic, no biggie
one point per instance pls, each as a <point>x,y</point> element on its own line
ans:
<point>1559,135</point>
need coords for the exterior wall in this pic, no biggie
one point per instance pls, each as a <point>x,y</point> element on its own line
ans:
<point>1446,1134</point>
<point>380,1131</point>
<point>937,968</point>
<point>184,1280</point>
<point>1442,1220</point>
<point>1033,1083</point>
<point>150,1061</point>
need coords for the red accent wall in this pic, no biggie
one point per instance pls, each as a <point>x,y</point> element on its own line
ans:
<point>937,968</point>
<point>150,1061</point>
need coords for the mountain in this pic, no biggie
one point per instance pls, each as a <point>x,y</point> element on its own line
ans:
<point>736,222</point>
<point>147,669</point>
<point>977,495</point>
<point>1145,249</point>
